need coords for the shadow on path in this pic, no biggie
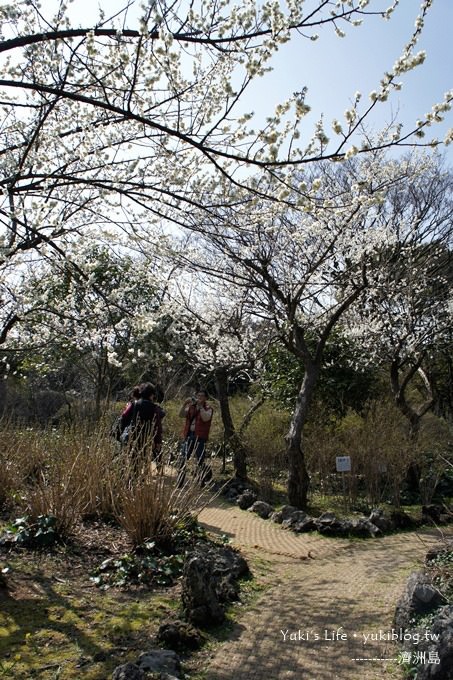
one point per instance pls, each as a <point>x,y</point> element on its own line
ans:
<point>318,618</point>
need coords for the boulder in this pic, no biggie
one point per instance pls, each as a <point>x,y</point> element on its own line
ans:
<point>329,525</point>
<point>234,488</point>
<point>246,499</point>
<point>199,596</point>
<point>327,517</point>
<point>231,495</point>
<point>420,597</point>
<point>284,513</point>
<point>363,527</point>
<point>160,661</point>
<point>210,578</point>
<point>264,510</point>
<point>436,640</point>
<point>305,525</point>
<point>293,518</point>
<point>379,519</point>
<point>127,671</point>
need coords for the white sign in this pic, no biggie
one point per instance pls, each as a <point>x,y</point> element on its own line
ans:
<point>343,463</point>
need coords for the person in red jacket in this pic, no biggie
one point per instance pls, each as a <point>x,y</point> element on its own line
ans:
<point>198,418</point>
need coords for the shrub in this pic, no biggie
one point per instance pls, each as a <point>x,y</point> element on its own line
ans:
<point>65,473</point>
<point>24,533</point>
<point>380,451</point>
<point>265,442</point>
<point>8,480</point>
<point>434,454</point>
<point>57,492</point>
<point>151,505</point>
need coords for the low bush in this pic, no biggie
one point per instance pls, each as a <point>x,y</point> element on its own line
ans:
<point>147,567</point>
<point>150,564</point>
<point>152,505</point>
<point>264,439</point>
<point>24,533</point>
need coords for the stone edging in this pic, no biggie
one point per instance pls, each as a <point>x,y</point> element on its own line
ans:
<point>327,524</point>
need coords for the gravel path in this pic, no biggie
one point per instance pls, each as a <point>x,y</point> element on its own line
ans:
<point>327,606</point>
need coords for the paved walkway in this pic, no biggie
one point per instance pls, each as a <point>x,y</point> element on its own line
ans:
<point>326,610</point>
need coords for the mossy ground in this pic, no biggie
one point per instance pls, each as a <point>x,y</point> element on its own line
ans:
<point>55,623</point>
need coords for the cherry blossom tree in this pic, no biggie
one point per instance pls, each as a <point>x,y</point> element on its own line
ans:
<point>404,320</point>
<point>88,310</point>
<point>131,119</point>
<point>303,268</point>
<point>137,120</point>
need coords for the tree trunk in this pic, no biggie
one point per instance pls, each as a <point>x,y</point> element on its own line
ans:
<point>298,478</point>
<point>249,415</point>
<point>231,440</point>
<point>413,414</point>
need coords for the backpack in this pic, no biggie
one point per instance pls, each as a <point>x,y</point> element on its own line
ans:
<point>116,430</point>
<point>122,423</point>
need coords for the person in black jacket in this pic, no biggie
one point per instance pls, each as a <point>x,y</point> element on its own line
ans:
<point>144,421</point>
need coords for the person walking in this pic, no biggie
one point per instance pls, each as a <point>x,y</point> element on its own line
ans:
<point>126,416</point>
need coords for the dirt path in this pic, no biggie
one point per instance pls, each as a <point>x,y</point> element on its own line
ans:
<point>323,596</point>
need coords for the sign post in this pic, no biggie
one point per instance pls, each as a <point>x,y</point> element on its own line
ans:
<point>343,464</point>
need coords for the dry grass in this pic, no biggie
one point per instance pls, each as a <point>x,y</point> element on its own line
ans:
<point>78,473</point>
<point>380,452</point>
<point>151,504</point>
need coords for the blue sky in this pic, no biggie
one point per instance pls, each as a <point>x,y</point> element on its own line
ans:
<point>335,68</point>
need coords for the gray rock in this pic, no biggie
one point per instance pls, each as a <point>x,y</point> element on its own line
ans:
<point>379,519</point>
<point>437,639</point>
<point>420,597</point>
<point>127,671</point>
<point>231,495</point>
<point>225,561</point>
<point>293,518</point>
<point>363,527</point>
<point>209,579</point>
<point>264,510</point>
<point>329,525</point>
<point>283,514</point>
<point>160,661</point>
<point>327,517</point>
<point>246,499</point>
<point>288,511</point>
<point>276,517</point>
<point>199,595</point>
<point>307,524</point>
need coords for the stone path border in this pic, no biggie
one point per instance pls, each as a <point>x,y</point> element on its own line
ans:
<point>333,596</point>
